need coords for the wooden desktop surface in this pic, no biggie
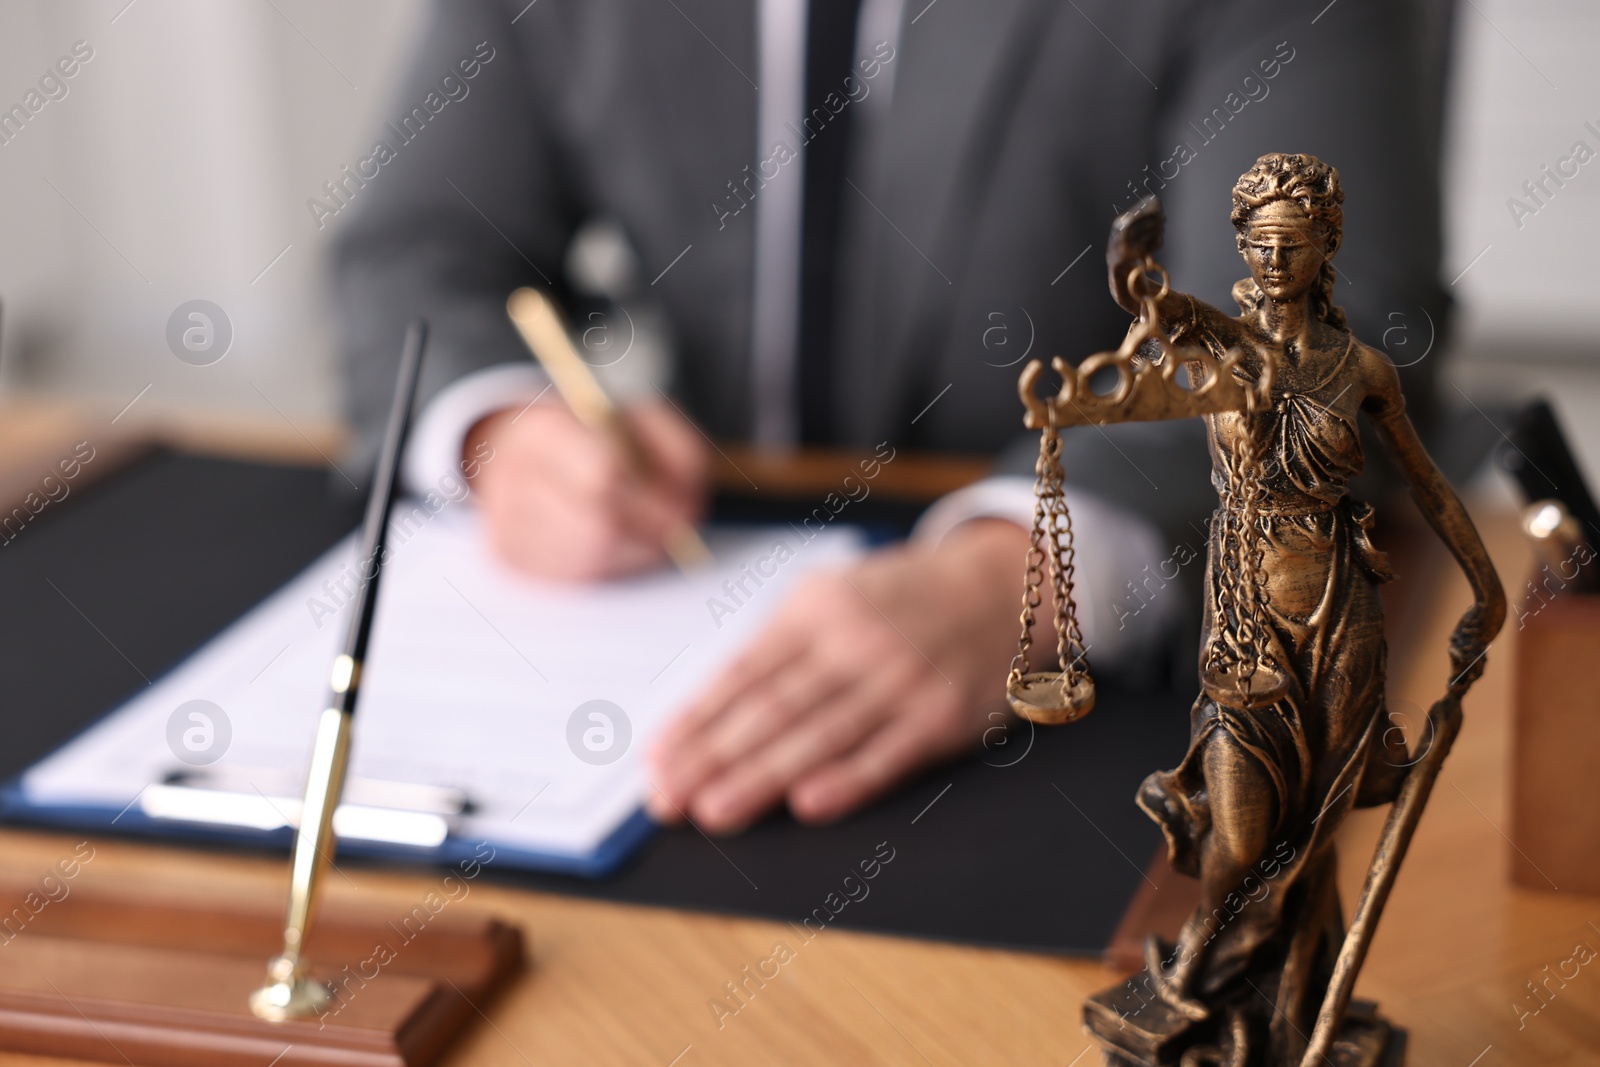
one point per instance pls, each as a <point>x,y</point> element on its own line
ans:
<point>618,984</point>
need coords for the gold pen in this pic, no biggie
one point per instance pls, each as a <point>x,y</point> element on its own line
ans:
<point>543,331</point>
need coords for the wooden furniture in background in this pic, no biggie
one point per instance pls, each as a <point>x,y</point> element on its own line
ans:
<point>1555,743</point>
<point>816,472</point>
<point>50,452</point>
<point>34,428</point>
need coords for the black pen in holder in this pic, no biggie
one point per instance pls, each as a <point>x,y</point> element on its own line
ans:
<point>289,992</point>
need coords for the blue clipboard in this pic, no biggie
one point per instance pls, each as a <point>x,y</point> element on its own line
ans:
<point>603,861</point>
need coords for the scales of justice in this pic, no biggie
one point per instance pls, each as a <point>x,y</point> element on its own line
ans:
<point>1288,733</point>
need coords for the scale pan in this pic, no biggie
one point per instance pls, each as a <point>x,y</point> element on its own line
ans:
<point>1044,698</point>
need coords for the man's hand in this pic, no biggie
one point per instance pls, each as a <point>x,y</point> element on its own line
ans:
<point>865,676</point>
<point>560,501</point>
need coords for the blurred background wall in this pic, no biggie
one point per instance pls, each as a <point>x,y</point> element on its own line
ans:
<point>1525,83</point>
<point>1525,89</point>
<point>178,164</point>
<point>177,167</point>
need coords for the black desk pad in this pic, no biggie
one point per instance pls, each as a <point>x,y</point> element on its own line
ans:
<point>1034,842</point>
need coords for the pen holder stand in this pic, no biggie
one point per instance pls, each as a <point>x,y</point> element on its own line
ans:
<point>129,975</point>
<point>1555,745</point>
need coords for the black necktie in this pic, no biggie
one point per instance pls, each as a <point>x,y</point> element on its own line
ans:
<point>830,47</point>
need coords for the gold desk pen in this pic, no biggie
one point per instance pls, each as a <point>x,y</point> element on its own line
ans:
<point>537,319</point>
<point>290,993</point>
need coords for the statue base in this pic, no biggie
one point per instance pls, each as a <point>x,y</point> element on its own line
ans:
<point>1136,1029</point>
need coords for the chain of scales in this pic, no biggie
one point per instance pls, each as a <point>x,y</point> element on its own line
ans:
<point>1235,665</point>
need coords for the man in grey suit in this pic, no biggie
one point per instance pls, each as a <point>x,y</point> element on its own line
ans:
<point>854,218</point>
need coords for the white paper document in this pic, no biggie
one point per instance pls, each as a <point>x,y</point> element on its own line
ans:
<point>480,683</point>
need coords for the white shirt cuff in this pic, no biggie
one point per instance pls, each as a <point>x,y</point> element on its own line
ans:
<point>1125,605</point>
<point>440,430</point>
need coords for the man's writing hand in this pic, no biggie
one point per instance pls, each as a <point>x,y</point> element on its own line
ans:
<point>559,500</point>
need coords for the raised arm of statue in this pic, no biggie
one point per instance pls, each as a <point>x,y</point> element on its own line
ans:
<point>1130,260</point>
<point>1443,511</point>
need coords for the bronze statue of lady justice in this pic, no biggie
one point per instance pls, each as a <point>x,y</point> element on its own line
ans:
<point>1288,734</point>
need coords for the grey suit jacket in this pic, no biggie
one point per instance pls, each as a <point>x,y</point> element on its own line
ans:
<point>1017,129</point>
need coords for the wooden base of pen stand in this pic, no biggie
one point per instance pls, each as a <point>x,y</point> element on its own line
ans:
<point>1555,745</point>
<point>163,984</point>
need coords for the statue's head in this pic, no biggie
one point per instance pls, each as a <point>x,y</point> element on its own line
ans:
<point>1289,223</point>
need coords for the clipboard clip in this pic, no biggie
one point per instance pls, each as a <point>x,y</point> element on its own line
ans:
<point>370,809</point>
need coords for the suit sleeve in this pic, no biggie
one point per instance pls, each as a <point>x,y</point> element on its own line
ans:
<point>463,200</point>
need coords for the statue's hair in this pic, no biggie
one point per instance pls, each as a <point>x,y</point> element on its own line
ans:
<point>1312,184</point>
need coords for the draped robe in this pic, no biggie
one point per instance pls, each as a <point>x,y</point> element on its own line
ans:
<point>1321,628</point>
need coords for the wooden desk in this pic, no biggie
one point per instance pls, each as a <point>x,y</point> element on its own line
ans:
<point>615,984</point>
